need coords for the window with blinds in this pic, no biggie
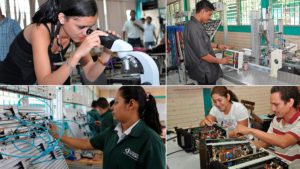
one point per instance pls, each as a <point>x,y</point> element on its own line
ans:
<point>231,11</point>
<point>246,7</point>
<point>19,10</point>
<point>288,10</point>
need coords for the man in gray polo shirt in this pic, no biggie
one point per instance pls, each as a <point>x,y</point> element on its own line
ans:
<point>200,60</point>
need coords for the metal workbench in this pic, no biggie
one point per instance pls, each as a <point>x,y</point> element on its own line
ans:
<point>253,76</point>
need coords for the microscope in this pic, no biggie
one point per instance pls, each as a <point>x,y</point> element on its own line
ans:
<point>129,57</point>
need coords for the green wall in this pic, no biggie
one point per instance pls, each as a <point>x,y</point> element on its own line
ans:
<point>207,100</point>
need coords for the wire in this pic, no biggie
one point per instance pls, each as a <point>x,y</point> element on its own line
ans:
<point>174,152</point>
<point>30,130</point>
<point>172,138</point>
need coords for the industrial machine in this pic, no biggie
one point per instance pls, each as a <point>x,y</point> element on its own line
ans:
<point>262,27</point>
<point>236,153</point>
<point>290,70</point>
<point>216,150</point>
<point>188,139</point>
<point>77,123</point>
<point>236,59</point>
<point>124,50</point>
<point>270,49</point>
<point>25,140</point>
<point>274,163</point>
<point>276,61</point>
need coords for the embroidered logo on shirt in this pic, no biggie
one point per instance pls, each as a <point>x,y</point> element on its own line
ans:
<point>131,154</point>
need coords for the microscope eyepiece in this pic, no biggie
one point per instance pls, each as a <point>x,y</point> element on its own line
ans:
<point>106,41</point>
<point>113,42</point>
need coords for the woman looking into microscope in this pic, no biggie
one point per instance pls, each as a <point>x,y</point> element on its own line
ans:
<point>227,111</point>
<point>54,26</point>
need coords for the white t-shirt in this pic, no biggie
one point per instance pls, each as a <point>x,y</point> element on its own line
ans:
<point>238,112</point>
<point>148,33</point>
<point>132,30</point>
<point>291,153</point>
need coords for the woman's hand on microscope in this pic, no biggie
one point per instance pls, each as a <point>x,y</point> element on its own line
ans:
<point>88,43</point>
<point>107,53</point>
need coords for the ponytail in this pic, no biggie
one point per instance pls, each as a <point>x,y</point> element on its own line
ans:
<point>150,115</point>
<point>48,13</point>
<point>223,91</point>
<point>233,97</point>
<point>147,105</point>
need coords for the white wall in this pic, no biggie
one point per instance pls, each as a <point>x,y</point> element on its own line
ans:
<point>185,106</point>
<point>116,13</point>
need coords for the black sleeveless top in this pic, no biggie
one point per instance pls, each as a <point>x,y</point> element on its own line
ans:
<point>18,67</point>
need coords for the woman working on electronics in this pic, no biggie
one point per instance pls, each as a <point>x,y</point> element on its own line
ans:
<point>227,111</point>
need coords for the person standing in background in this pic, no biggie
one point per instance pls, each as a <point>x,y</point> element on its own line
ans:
<point>93,118</point>
<point>143,21</point>
<point>100,117</point>
<point>9,29</point>
<point>149,34</point>
<point>133,29</point>
<point>106,117</point>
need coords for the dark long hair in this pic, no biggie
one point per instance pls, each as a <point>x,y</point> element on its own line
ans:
<point>147,105</point>
<point>223,91</point>
<point>48,12</point>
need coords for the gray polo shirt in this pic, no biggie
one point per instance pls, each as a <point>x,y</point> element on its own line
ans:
<point>196,45</point>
